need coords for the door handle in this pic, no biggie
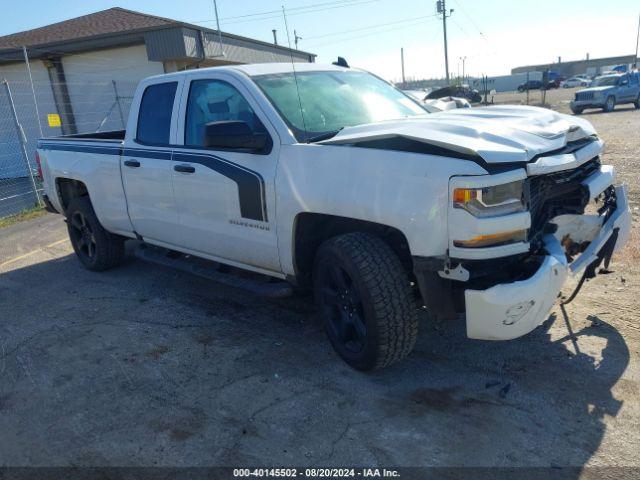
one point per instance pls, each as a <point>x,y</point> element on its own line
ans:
<point>132,163</point>
<point>184,168</point>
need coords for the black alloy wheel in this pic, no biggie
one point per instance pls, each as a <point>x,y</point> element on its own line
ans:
<point>82,235</point>
<point>365,300</point>
<point>96,248</point>
<point>342,309</point>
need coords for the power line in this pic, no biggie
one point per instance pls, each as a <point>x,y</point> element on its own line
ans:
<point>359,2</point>
<point>470,18</point>
<point>415,24</point>
<point>635,60</point>
<point>412,19</point>
<point>312,8</point>
<point>457,24</point>
<point>471,37</point>
<point>271,12</point>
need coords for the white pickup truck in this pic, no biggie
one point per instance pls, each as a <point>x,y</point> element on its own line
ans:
<point>328,177</point>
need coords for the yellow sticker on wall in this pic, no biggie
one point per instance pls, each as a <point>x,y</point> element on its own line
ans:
<point>54,120</point>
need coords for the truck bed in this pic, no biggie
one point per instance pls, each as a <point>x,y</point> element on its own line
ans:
<point>94,160</point>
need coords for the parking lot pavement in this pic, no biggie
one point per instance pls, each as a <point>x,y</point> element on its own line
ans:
<point>144,365</point>
<point>28,238</point>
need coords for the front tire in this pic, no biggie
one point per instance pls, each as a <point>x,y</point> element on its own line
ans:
<point>577,110</point>
<point>96,248</point>
<point>365,300</point>
<point>610,104</point>
<point>637,102</point>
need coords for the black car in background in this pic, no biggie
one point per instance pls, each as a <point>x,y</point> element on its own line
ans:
<point>536,85</point>
<point>462,91</point>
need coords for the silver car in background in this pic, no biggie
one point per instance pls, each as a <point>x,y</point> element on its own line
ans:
<point>576,81</point>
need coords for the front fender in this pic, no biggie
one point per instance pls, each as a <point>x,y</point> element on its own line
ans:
<point>406,191</point>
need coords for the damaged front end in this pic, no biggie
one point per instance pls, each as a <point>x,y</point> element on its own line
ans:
<point>577,248</point>
<point>574,219</point>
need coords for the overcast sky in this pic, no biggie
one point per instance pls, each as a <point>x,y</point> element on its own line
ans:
<point>494,35</point>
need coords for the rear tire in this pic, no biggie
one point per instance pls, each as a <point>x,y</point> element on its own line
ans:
<point>610,104</point>
<point>96,248</point>
<point>365,300</point>
<point>637,102</point>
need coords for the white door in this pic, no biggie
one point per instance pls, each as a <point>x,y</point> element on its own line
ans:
<point>225,198</point>
<point>146,165</point>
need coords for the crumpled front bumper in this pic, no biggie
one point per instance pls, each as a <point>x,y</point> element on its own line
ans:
<point>510,310</point>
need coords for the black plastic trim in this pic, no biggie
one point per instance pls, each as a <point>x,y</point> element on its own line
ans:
<point>436,292</point>
<point>48,206</point>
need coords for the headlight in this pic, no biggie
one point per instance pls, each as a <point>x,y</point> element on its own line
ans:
<point>491,201</point>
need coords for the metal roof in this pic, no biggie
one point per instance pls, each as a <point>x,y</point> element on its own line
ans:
<point>113,20</point>
<point>113,27</point>
<point>587,62</point>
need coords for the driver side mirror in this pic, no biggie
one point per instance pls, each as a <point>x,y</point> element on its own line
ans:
<point>234,134</point>
<point>624,81</point>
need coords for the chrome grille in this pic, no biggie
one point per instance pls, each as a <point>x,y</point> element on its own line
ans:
<point>580,96</point>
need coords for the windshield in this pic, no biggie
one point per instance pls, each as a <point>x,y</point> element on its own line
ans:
<point>332,100</point>
<point>605,81</point>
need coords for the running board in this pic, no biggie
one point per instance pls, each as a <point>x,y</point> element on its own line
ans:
<point>256,284</point>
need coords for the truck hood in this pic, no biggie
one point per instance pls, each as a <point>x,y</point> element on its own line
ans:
<point>500,134</point>
<point>597,89</point>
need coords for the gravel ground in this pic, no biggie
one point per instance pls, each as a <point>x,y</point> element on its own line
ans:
<point>144,365</point>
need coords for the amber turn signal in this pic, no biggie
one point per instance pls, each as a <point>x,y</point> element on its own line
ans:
<point>464,195</point>
<point>493,239</point>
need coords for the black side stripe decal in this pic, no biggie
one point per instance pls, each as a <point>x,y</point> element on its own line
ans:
<point>251,187</point>
<point>250,183</point>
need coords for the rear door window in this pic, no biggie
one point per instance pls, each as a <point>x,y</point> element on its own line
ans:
<point>154,117</point>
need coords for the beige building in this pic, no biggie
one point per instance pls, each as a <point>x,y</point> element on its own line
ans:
<point>591,66</point>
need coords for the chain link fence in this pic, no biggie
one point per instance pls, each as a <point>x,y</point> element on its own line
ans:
<point>35,106</point>
<point>18,187</point>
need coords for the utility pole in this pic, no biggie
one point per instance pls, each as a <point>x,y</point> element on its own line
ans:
<point>215,9</point>
<point>635,60</point>
<point>296,37</point>
<point>463,60</point>
<point>442,9</point>
<point>402,63</point>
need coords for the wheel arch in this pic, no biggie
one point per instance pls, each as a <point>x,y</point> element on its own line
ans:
<point>310,230</point>
<point>68,189</point>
